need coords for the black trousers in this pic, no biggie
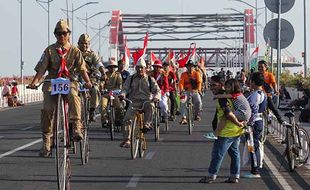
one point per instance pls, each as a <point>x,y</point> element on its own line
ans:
<point>173,103</point>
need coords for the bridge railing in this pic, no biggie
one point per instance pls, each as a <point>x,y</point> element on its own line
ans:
<point>25,95</point>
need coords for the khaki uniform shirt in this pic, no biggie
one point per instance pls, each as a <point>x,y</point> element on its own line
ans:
<point>139,89</point>
<point>92,62</point>
<point>114,81</point>
<point>50,61</point>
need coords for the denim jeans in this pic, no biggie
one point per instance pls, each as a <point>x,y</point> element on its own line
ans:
<point>196,102</point>
<point>220,147</point>
<point>257,134</point>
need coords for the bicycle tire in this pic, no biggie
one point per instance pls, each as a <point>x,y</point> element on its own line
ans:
<point>156,124</point>
<point>166,125</point>
<point>134,138</point>
<point>304,151</point>
<point>289,149</point>
<point>111,122</point>
<point>61,137</point>
<point>142,147</point>
<point>190,118</point>
<point>84,141</point>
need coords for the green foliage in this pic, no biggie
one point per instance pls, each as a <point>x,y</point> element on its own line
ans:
<point>294,80</point>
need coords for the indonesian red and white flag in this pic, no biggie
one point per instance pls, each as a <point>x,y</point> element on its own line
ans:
<point>170,56</point>
<point>145,42</point>
<point>153,58</point>
<point>126,56</point>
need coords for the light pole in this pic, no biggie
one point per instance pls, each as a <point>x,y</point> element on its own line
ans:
<point>21,46</point>
<point>305,39</point>
<point>48,16</point>
<point>72,14</point>
<point>244,28</point>
<point>87,18</point>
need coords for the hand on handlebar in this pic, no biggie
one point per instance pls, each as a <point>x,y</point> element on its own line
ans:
<point>88,85</point>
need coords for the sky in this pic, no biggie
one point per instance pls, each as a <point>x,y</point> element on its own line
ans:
<point>35,29</point>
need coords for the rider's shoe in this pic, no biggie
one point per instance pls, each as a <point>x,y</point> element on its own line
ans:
<point>171,118</point>
<point>44,153</point>
<point>197,118</point>
<point>92,117</point>
<point>183,121</point>
<point>146,128</point>
<point>77,135</point>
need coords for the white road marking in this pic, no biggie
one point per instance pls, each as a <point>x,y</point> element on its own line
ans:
<point>20,148</point>
<point>149,155</point>
<point>24,129</point>
<point>134,180</point>
<point>277,175</point>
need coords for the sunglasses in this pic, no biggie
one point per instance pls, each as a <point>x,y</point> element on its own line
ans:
<point>62,33</point>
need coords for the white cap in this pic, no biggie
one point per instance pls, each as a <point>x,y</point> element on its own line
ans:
<point>141,62</point>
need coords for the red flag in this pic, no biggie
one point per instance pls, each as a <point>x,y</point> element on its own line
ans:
<point>153,58</point>
<point>190,54</point>
<point>170,56</point>
<point>146,38</point>
<point>136,55</point>
<point>126,54</point>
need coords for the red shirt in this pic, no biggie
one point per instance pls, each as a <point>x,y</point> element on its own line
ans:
<point>14,90</point>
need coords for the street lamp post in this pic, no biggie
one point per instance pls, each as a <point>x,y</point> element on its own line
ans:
<point>72,15</point>
<point>87,18</point>
<point>21,46</point>
<point>244,57</point>
<point>48,16</point>
<point>305,39</point>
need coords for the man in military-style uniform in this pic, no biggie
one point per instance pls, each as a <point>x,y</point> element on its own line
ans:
<point>60,59</point>
<point>93,65</point>
<point>139,88</point>
<point>113,82</point>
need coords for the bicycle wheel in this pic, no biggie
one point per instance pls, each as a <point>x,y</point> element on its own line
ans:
<point>303,139</point>
<point>289,149</point>
<point>134,138</point>
<point>111,116</point>
<point>156,124</point>
<point>142,147</point>
<point>84,147</point>
<point>190,118</point>
<point>166,125</point>
<point>61,138</point>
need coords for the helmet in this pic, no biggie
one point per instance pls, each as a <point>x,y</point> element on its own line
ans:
<point>157,63</point>
<point>141,62</point>
<point>112,63</point>
<point>84,38</point>
<point>62,25</point>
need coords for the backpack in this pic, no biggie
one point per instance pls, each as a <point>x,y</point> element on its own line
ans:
<point>149,79</point>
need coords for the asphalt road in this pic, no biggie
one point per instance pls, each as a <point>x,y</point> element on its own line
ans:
<point>177,161</point>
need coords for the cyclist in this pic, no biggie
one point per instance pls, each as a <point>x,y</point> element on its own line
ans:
<point>139,88</point>
<point>161,78</point>
<point>172,82</point>
<point>270,87</point>
<point>93,65</point>
<point>191,81</point>
<point>121,69</point>
<point>60,59</point>
<point>113,82</point>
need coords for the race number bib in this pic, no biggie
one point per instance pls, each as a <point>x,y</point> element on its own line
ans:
<point>60,86</point>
